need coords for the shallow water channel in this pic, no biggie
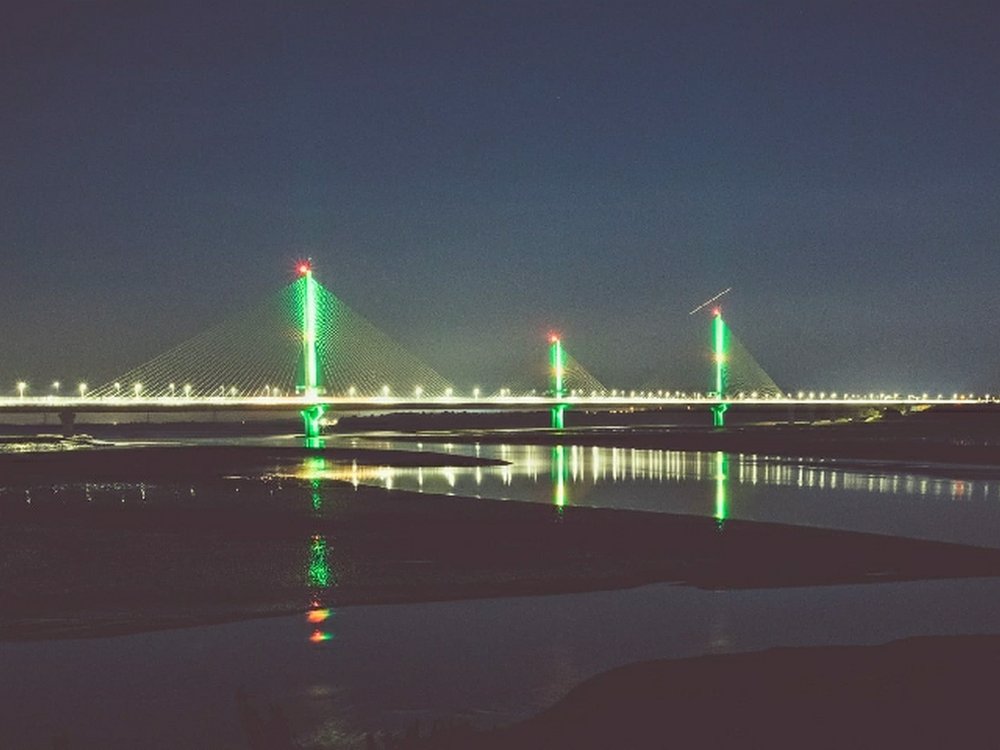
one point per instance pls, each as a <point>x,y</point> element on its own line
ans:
<point>338,673</point>
<point>946,503</point>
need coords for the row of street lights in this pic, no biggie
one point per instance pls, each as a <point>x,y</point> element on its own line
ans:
<point>22,388</point>
<point>82,389</point>
<point>418,392</point>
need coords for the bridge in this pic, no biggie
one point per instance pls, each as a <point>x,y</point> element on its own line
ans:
<point>305,351</point>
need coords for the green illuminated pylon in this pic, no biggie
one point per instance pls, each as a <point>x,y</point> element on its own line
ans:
<point>310,369</point>
<point>557,365</point>
<point>312,415</point>
<point>720,351</point>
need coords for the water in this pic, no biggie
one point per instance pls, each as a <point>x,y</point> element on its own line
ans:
<point>489,661</point>
<point>341,672</point>
<point>961,506</point>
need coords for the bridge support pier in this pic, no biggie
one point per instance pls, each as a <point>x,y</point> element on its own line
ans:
<point>559,417</point>
<point>312,418</point>
<point>719,414</point>
<point>68,420</point>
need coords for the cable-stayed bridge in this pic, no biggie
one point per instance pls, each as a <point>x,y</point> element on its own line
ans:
<point>304,350</point>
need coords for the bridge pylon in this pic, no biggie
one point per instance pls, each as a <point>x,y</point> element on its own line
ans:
<point>312,415</point>
<point>720,351</point>
<point>557,385</point>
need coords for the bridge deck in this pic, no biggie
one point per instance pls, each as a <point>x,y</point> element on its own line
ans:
<point>180,404</point>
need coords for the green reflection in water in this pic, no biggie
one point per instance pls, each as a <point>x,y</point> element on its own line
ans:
<point>721,497</point>
<point>559,476</point>
<point>314,443</point>
<point>320,575</point>
<point>314,469</point>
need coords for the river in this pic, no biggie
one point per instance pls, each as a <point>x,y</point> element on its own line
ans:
<point>338,673</point>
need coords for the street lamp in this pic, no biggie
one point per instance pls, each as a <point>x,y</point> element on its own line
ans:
<point>21,388</point>
<point>137,388</point>
<point>83,390</point>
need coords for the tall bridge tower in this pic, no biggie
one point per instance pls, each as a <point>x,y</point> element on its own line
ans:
<point>720,349</point>
<point>311,415</point>
<point>557,368</point>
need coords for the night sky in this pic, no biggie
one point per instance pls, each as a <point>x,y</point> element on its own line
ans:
<point>469,175</point>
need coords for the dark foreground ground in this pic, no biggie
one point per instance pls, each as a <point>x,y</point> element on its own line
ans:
<point>934,692</point>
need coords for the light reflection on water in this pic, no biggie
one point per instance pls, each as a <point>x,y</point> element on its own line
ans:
<point>879,498</point>
<point>581,464</point>
<point>319,575</point>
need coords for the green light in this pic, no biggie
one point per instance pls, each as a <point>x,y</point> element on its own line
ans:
<point>319,574</point>
<point>314,469</point>
<point>559,476</point>
<point>721,500</point>
<point>557,362</point>
<point>719,353</point>
<point>311,384</point>
<point>312,416</point>
<point>719,356</point>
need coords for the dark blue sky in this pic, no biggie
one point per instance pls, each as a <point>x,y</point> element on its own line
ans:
<point>469,175</point>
